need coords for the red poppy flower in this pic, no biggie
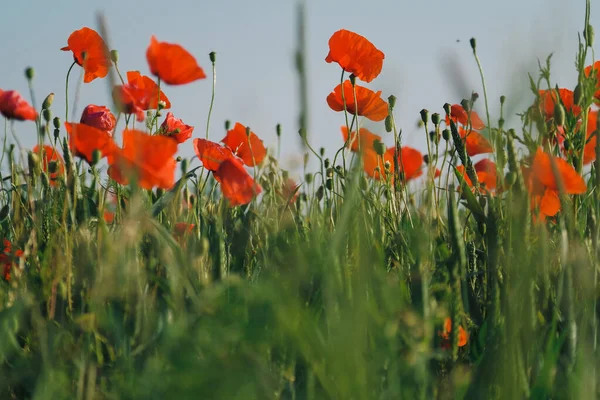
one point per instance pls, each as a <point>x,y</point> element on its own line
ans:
<point>182,228</point>
<point>370,104</point>
<point>365,136</point>
<point>355,54</point>
<point>98,117</point>
<point>409,160</point>
<point>249,148</point>
<point>14,106</point>
<point>51,155</point>
<point>147,158</point>
<point>460,116</point>
<point>84,139</point>
<point>486,174</point>
<point>176,129</point>
<point>596,68</point>
<point>109,216</point>
<point>475,142</point>
<point>237,185</point>
<point>463,336</point>
<point>139,94</point>
<point>375,164</point>
<point>172,63</point>
<point>211,154</point>
<point>548,100</point>
<point>589,150</point>
<point>90,52</point>
<point>8,258</point>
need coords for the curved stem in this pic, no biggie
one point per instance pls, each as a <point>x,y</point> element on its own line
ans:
<point>212,97</point>
<point>67,91</point>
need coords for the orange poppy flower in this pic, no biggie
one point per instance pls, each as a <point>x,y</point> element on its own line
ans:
<point>548,100</point>
<point>366,139</point>
<point>8,258</point>
<point>486,174</point>
<point>109,216</point>
<point>237,185</point>
<point>463,336</point>
<point>14,106</point>
<point>459,116</point>
<point>51,155</point>
<point>172,63</point>
<point>249,148</point>
<point>475,142</point>
<point>211,154</point>
<point>589,150</point>
<point>355,54</point>
<point>370,104</point>
<point>139,94</point>
<point>176,129</point>
<point>87,42</point>
<point>148,158</point>
<point>412,160</point>
<point>98,117</point>
<point>84,139</point>
<point>409,160</point>
<point>588,70</point>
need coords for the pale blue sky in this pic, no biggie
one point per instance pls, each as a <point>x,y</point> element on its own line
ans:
<point>255,40</point>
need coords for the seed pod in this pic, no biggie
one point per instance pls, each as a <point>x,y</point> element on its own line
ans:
<point>319,193</point>
<point>388,123</point>
<point>424,115</point>
<point>435,119</point>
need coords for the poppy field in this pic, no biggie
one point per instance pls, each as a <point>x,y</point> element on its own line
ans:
<point>465,269</point>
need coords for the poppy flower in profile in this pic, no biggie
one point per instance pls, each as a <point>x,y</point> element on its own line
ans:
<point>355,54</point>
<point>89,52</point>
<point>211,154</point>
<point>8,258</point>
<point>459,116</point>
<point>172,63</point>
<point>237,185</point>
<point>176,129</point>
<point>475,142</point>
<point>248,147</point>
<point>365,137</point>
<point>139,94</point>
<point>463,336</point>
<point>595,69</point>
<point>486,174</point>
<point>84,139</point>
<point>548,99</point>
<point>52,162</point>
<point>370,104</point>
<point>148,159</point>
<point>14,106</point>
<point>98,117</point>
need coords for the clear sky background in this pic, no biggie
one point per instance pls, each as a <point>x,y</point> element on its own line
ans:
<point>425,43</point>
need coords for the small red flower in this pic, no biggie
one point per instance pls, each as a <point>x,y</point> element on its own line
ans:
<point>370,104</point>
<point>211,154</point>
<point>248,147</point>
<point>8,258</point>
<point>237,185</point>
<point>548,100</point>
<point>139,94</point>
<point>51,155</point>
<point>463,336</point>
<point>84,139</point>
<point>90,52</point>
<point>475,142</point>
<point>355,54</point>
<point>98,117</point>
<point>459,116</point>
<point>365,137</point>
<point>172,63</point>
<point>14,106</point>
<point>176,129</point>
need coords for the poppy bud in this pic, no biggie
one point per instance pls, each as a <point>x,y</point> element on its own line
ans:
<point>424,115</point>
<point>426,158</point>
<point>577,94</point>
<point>322,151</point>
<point>56,123</point>
<point>392,101</point>
<point>308,178</point>
<point>502,100</point>
<point>447,108</point>
<point>473,44</point>
<point>387,166</point>
<point>33,161</point>
<point>302,133</point>
<point>474,97</point>
<point>339,170</point>
<point>446,134</point>
<point>466,105</point>
<point>114,56</point>
<point>213,57</point>
<point>29,73</point>
<point>326,163</point>
<point>48,101</point>
<point>227,124</point>
<point>56,133</point>
<point>559,114</point>
<point>588,35</point>
<point>278,130</point>
<point>353,79</point>
<point>47,114</point>
<point>363,183</point>
<point>178,159</point>
<point>378,147</point>
<point>388,123</point>
<point>329,184</point>
<point>319,193</point>
<point>435,119</point>
<point>4,213</point>
<point>161,106</point>
<point>329,172</point>
<point>184,166</point>
<point>432,136</point>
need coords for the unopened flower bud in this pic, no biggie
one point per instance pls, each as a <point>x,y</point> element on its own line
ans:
<point>363,183</point>
<point>588,35</point>
<point>326,163</point>
<point>447,108</point>
<point>29,73</point>
<point>33,161</point>
<point>114,56</point>
<point>388,123</point>
<point>435,119</point>
<point>559,114</point>
<point>424,115</point>
<point>426,159</point>
<point>353,79</point>
<point>213,57</point>
<point>184,166</point>
<point>278,130</point>
<point>53,167</point>
<point>473,43</point>
<point>322,151</point>
<point>392,101</point>
<point>96,157</point>
<point>47,114</point>
<point>56,122</point>
<point>4,212</point>
<point>329,184</point>
<point>48,101</point>
<point>319,193</point>
<point>308,178</point>
<point>577,94</point>
<point>446,134</point>
<point>227,124</point>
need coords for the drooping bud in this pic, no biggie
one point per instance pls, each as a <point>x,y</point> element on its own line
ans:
<point>326,163</point>
<point>322,151</point>
<point>319,193</point>
<point>426,159</point>
<point>329,184</point>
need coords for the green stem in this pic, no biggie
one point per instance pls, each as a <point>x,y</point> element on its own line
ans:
<point>67,91</point>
